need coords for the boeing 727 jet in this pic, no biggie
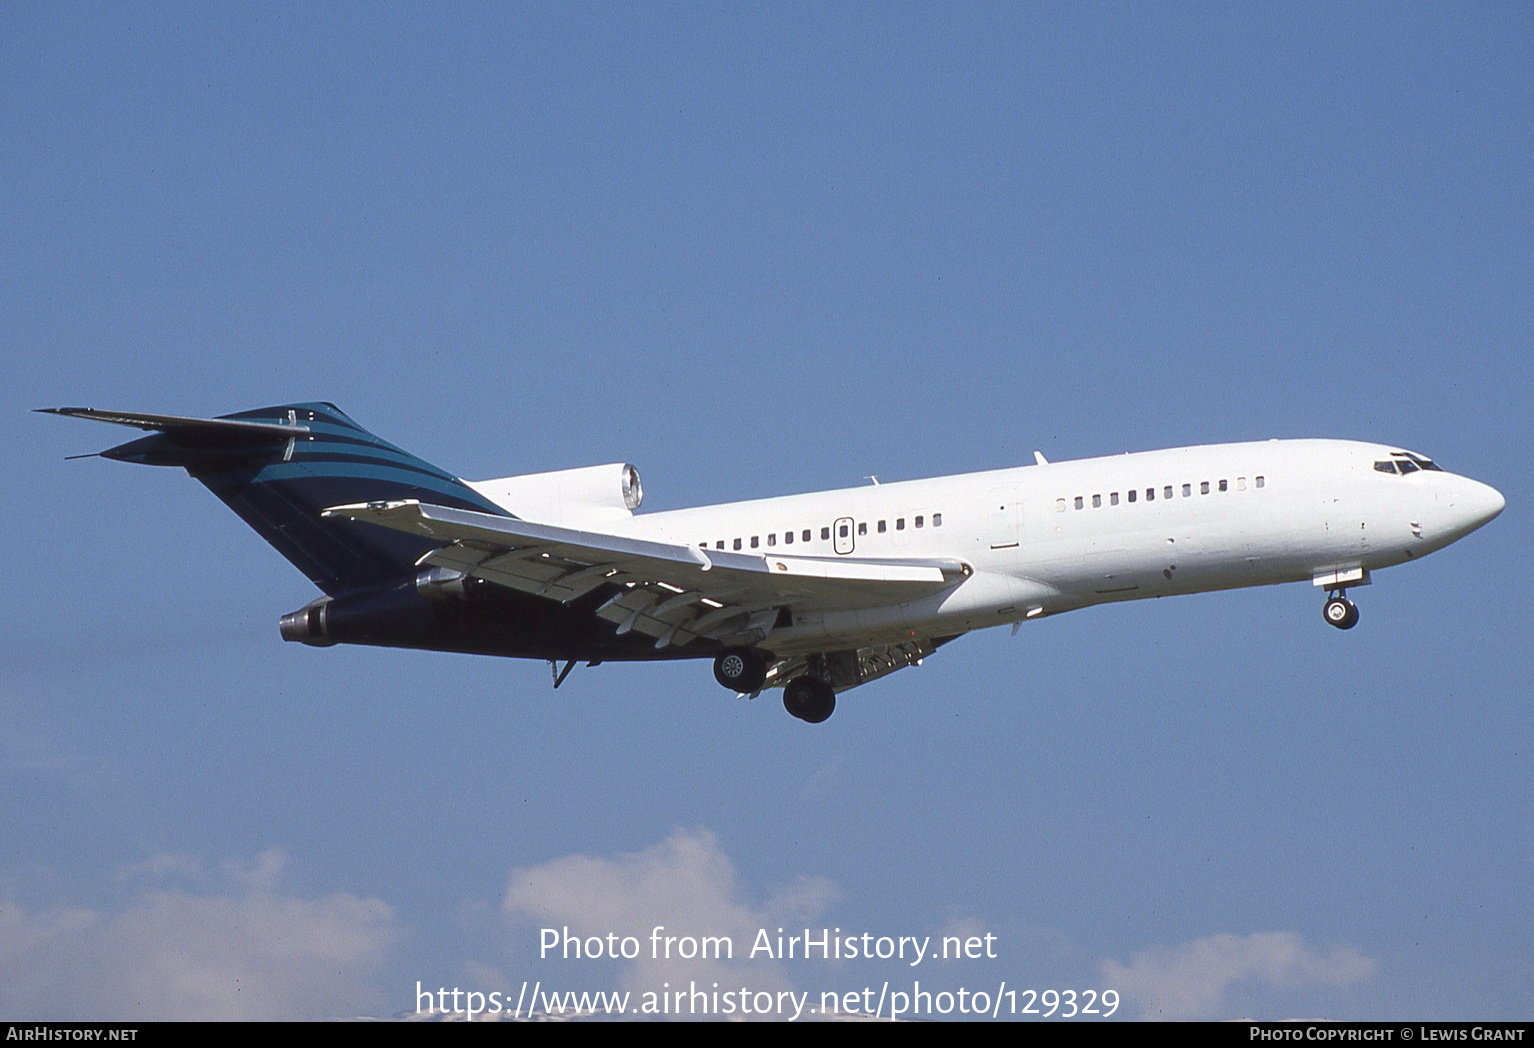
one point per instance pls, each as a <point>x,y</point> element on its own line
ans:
<point>816,594</point>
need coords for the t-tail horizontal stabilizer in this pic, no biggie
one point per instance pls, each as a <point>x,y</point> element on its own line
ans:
<point>184,440</point>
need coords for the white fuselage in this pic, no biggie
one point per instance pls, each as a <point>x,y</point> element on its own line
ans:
<point>1058,536</point>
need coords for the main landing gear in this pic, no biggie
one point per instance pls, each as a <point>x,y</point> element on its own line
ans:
<point>810,699</point>
<point>1339,611</point>
<point>743,670</point>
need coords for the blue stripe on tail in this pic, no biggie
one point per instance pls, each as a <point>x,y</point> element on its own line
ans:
<point>279,487</point>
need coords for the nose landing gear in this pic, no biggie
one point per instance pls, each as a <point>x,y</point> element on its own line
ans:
<point>1339,611</point>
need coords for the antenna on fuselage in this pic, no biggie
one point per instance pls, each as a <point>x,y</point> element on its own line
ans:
<point>1039,459</point>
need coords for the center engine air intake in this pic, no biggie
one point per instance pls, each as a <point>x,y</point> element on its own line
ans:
<point>573,497</point>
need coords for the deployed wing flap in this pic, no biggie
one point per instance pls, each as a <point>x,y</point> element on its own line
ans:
<point>673,593</point>
<point>525,569</point>
<point>643,610</point>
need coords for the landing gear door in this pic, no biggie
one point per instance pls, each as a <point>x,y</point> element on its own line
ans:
<point>841,535</point>
<point>1006,518</point>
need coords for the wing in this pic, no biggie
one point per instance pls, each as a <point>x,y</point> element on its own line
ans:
<point>670,592</point>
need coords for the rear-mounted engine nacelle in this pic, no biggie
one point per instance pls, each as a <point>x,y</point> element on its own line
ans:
<point>396,616</point>
<point>593,495</point>
<point>444,584</point>
<point>307,624</point>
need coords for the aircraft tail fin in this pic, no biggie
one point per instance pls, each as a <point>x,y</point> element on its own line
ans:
<point>278,467</point>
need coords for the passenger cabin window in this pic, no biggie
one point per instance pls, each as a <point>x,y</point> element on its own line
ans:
<point>1079,502</point>
<point>825,533</point>
<point>1260,482</point>
<point>755,541</point>
<point>1113,499</point>
<point>937,520</point>
<point>737,543</point>
<point>862,527</point>
<point>806,536</point>
<point>1240,483</point>
<point>1223,485</point>
<point>1150,494</point>
<point>1097,501</point>
<point>882,526</point>
<point>899,523</point>
<point>1167,492</point>
<point>918,522</point>
<point>1187,489</point>
<point>1203,487</point>
<point>1132,494</point>
<point>788,538</point>
<point>772,540</point>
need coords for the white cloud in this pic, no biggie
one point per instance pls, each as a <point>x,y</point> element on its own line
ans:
<point>685,884</point>
<point>1190,981</point>
<point>242,950</point>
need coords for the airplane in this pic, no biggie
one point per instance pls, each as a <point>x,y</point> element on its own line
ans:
<point>817,593</point>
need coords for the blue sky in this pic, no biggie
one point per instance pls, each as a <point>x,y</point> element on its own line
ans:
<point>761,250</point>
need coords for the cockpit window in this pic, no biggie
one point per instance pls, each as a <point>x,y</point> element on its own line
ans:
<point>1404,462</point>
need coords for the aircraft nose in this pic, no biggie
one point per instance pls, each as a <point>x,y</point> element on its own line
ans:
<point>1476,504</point>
